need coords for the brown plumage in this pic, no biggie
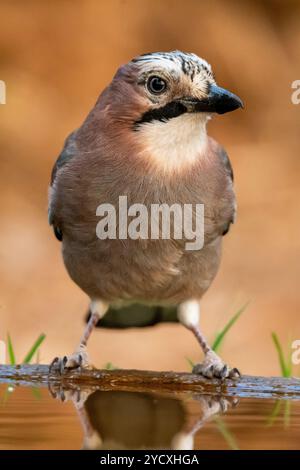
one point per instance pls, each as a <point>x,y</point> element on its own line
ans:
<point>153,148</point>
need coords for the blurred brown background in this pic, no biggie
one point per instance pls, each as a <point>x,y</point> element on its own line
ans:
<point>56,57</point>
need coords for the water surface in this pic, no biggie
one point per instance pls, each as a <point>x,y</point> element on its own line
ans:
<point>38,418</point>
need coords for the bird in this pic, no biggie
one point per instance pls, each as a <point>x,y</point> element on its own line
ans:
<point>146,138</point>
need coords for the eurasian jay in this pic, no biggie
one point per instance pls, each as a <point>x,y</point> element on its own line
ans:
<point>146,139</point>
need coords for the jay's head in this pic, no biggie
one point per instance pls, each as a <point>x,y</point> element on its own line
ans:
<point>164,85</point>
<point>166,98</point>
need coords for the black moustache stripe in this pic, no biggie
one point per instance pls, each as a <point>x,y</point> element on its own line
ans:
<point>163,114</point>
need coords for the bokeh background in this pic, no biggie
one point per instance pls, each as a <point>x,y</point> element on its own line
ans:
<point>56,57</point>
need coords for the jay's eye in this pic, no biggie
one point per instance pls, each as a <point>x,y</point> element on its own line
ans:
<point>156,85</point>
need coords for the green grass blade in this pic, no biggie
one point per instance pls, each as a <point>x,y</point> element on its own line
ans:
<point>110,366</point>
<point>36,393</point>
<point>220,336</point>
<point>289,361</point>
<point>33,350</point>
<point>228,436</point>
<point>283,366</point>
<point>11,353</point>
<point>289,366</point>
<point>274,413</point>
<point>190,362</point>
<point>287,414</point>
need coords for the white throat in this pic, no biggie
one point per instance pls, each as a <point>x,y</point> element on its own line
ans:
<point>177,143</point>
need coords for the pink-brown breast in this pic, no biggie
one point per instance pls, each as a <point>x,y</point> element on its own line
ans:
<point>155,271</point>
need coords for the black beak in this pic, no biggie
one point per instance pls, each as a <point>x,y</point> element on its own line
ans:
<point>218,100</point>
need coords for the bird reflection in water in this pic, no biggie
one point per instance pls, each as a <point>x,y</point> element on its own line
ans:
<point>140,420</point>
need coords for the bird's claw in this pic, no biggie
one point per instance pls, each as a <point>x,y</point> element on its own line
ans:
<point>212,405</point>
<point>76,395</point>
<point>214,368</point>
<point>79,359</point>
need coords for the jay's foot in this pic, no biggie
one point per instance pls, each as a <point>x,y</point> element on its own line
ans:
<point>79,359</point>
<point>77,396</point>
<point>214,368</point>
<point>214,405</point>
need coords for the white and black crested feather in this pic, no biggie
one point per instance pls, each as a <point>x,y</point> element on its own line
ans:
<point>189,63</point>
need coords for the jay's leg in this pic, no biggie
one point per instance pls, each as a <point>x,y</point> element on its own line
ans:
<point>80,357</point>
<point>212,366</point>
